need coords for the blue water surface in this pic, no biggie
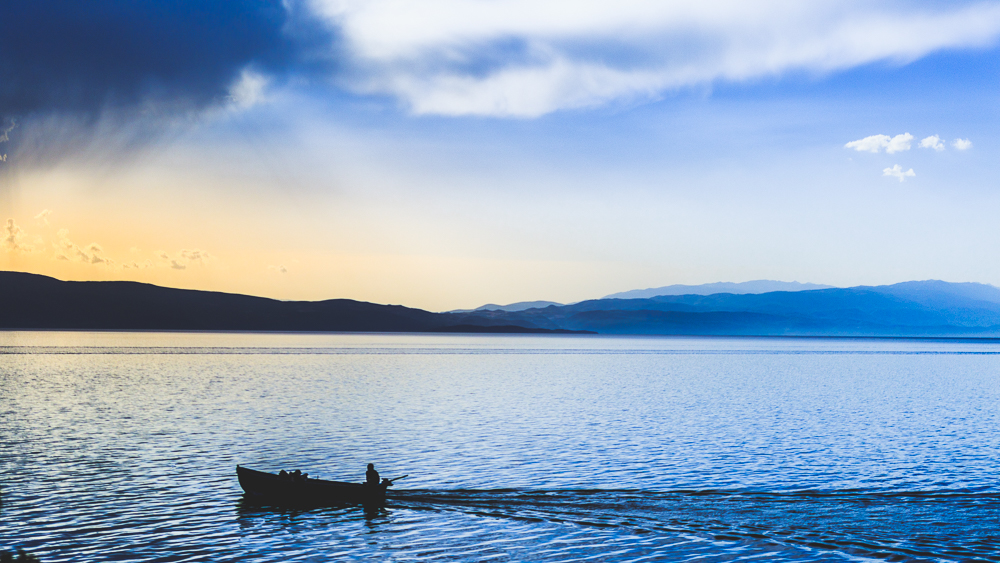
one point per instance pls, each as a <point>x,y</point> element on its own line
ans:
<point>122,447</point>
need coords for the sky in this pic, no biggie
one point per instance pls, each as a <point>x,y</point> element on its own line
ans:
<point>444,154</point>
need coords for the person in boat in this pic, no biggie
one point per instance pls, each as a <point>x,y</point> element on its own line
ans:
<point>371,476</point>
<point>283,474</point>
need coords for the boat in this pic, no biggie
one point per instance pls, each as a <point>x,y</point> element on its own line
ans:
<point>289,489</point>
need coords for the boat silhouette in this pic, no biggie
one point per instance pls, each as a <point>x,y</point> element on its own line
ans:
<point>289,489</point>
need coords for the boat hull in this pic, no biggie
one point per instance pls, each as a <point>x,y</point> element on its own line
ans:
<point>270,488</point>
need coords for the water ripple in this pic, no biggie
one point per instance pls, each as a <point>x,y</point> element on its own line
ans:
<point>122,447</point>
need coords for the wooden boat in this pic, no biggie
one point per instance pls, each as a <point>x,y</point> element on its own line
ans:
<point>288,490</point>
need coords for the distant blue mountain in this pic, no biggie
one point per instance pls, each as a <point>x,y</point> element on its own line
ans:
<point>924,308</point>
<point>756,286</point>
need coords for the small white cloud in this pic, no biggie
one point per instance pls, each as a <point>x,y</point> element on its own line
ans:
<point>897,172</point>
<point>43,217</point>
<point>873,143</point>
<point>278,269</point>
<point>962,144</point>
<point>899,143</point>
<point>177,266</point>
<point>932,142</point>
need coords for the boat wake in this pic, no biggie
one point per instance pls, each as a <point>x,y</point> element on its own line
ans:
<point>939,525</point>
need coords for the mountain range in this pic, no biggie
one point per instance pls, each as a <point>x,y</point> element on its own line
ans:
<point>918,308</point>
<point>755,286</point>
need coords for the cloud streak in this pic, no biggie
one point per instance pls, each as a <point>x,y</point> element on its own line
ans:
<point>521,58</point>
<point>512,58</point>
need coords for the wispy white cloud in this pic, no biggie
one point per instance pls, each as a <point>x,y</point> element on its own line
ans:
<point>92,254</point>
<point>66,249</point>
<point>932,142</point>
<point>249,90</point>
<point>525,58</point>
<point>195,255</point>
<point>185,258</point>
<point>278,269</point>
<point>5,130</point>
<point>898,172</point>
<point>43,217</point>
<point>876,143</point>
<point>13,238</point>
<point>962,144</point>
<point>97,255</point>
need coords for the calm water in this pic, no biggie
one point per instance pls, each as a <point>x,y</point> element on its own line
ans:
<point>122,447</point>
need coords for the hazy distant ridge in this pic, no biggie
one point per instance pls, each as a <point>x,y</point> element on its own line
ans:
<point>511,308</point>
<point>756,286</point>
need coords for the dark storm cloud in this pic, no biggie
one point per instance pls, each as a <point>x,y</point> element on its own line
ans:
<point>86,56</point>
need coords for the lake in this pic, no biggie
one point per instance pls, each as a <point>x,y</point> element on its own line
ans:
<point>120,446</point>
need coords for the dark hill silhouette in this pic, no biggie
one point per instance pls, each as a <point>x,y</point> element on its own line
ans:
<point>29,301</point>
